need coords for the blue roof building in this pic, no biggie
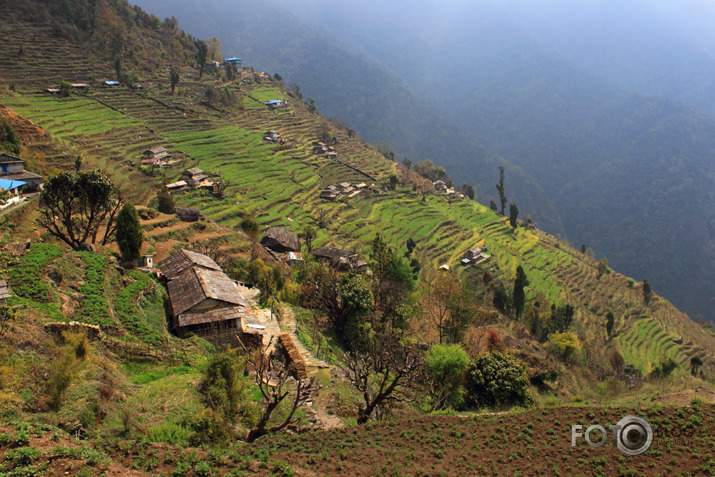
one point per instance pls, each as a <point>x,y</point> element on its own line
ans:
<point>10,184</point>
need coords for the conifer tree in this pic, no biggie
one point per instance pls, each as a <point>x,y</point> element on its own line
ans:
<point>129,233</point>
<point>519,296</point>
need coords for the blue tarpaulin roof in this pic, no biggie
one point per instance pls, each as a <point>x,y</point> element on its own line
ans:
<point>7,184</point>
<point>273,101</point>
<point>111,83</point>
<point>232,59</point>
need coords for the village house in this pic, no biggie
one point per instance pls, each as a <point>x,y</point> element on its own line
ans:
<point>329,193</point>
<point>237,62</point>
<point>291,258</point>
<point>205,302</point>
<point>319,148</point>
<point>177,187</point>
<point>439,186</point>
<point>272,136</point>
<point>475,255</point>
<point>194,176</point>
<point>275,103</point>
<point>155,156</point>
<point>13,169</point>
<point>341,259</point>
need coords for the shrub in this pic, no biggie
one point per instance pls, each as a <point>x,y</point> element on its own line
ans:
<point>165,202</point>
<point>496,379</point>
<point>23,455</point>
<point>631,282</point>
<point>665,368</point>
<point>445,365</point>
<point>563,345</point>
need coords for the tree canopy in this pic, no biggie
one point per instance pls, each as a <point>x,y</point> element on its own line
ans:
<point>76,205</point>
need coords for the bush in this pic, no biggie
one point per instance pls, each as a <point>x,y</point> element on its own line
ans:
<point>445,365</point>
<point>495,379</point>
<point>631,282</point>
<point>23,455</point>
<point>563,345</point>
<point>665,368</point>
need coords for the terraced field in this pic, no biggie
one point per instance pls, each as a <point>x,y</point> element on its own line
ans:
<point>280,185</point>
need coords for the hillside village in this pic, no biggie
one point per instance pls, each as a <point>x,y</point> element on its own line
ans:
<point>289,278</point>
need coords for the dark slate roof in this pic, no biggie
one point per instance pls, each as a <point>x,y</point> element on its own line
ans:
<point>211,316</point>
<point>281,240</point>
<point>198,285</point>
<point>6,158</point>
<point>183,259</point>
<point>333,253</point>
<point>23,176</point>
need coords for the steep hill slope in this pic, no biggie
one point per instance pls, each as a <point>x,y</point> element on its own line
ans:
<point>523,82</point>
<point>281,184</point>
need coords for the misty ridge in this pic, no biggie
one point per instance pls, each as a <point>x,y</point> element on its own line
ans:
<point>602,112</point>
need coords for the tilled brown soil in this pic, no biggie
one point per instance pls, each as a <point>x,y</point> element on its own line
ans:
<point>532,443</point>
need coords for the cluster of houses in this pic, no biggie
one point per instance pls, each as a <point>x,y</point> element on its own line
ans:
<point>475,255</point>
<point>193,178</point>
<point>321,149</point>
<point>284,245</point>
<point>273,136</point>
<point>440,186</point>
<point>157,156</point>
<point>14,178</point>
<point>205,302</point>
<point>332,192</point>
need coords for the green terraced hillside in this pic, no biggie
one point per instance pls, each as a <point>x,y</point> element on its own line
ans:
<point>280,185</point>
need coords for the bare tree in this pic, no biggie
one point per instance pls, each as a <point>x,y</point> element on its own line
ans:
<point>382,375</point>
<point>219,188</point>
<point>277,380</point>
<point>323,219</point>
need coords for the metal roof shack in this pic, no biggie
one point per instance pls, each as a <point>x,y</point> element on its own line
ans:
<point>182,261</point>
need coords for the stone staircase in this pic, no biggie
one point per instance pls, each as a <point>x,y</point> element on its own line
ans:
<point>290,326</point>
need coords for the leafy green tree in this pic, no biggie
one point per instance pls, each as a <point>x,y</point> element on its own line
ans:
<point>664,368</point>
<point>647,292</point>
<point>75,206</point>
<point>493,205</point>
<point>411,245</point>
<point>500,189</point>
<point>468,190</point>
<point>519,296</point>
<point>496,379</point>
<point>129,233</point>
<point>201,54</point>
<point>392,182</point>
<point>444,368</point>
<point>227,396</point>
<point>173,79</point>
<point>513,214</point>
<point>610,321</point>
<point>9,140</point>
<point>312,107</point>
<point>65,89</point>
<point>695,364</point>
<point>561,317</point>
<point>165,202</point>
<point>309,234</point>
<point>118,67</point>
